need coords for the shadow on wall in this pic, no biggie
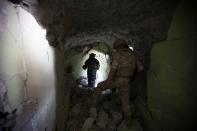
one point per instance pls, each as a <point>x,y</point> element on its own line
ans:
<point>27,71</point>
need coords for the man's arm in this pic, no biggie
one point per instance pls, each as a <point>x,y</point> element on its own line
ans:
<point>114,68</point>
<point>85,66</point>
<point>106,84</point>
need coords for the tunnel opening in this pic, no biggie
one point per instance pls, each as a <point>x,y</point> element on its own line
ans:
<point>76,57</point>
<point>96,110</point>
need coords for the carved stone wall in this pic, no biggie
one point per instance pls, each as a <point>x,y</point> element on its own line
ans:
<point>75,22</point>
<point>27,77</point>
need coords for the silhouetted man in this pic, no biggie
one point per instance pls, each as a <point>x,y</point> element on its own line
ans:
<point>92,64</point>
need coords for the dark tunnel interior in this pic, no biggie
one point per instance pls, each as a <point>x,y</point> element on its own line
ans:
<point>97,65</point>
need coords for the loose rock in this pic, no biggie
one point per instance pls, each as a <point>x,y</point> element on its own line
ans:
<point>93,112</point>
<point>107,105</point>
<point>135,126</point>
<point>116,116</point>
<point>123,127</point>
<point>102,119</point>
<point>76,110</point>
<point>111,125</point>
<point>88,124</point>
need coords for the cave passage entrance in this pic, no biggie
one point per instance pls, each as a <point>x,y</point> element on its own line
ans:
<point>77,56</point>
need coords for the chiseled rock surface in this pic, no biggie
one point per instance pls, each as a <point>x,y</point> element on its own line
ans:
<point>74,22</point>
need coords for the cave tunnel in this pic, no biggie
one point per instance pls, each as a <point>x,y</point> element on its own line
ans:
<point>76,57</point>
<point>45,43</point>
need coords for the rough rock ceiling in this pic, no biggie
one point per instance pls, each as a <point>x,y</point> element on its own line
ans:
<point>73,22</point>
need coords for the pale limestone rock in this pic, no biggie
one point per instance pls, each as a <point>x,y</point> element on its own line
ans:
<point>88,124</point>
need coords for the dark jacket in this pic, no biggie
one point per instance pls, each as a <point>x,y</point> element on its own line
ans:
<point>92,64</point>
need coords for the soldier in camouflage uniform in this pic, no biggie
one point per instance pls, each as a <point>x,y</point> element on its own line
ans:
<point>92,64</point>
<point>124,64</point>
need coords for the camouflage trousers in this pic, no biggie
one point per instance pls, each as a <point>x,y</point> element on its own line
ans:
<point>123,86</point>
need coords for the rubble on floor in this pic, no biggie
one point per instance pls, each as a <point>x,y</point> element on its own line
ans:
<point>92,111</point>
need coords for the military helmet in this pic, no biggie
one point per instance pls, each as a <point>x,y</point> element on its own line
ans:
<point>120,43</point>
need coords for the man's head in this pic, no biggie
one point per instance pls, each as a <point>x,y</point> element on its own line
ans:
<point>120,43</point>
<point>92,55</point>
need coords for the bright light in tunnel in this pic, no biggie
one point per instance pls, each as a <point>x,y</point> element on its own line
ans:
<point>103,71</point>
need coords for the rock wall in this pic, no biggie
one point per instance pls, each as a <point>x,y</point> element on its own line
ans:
<point>27,75</point>
<point>140,22</point>
<point>171,77</point>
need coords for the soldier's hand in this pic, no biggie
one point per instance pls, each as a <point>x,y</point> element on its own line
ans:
<point>101,86</point>
<point>98,89</point>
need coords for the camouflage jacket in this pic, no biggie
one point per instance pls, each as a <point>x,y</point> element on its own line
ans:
<point>124,62</point>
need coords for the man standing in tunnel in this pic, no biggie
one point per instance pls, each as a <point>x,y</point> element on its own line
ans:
<point>124,66</point>
<point>92,64</point>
